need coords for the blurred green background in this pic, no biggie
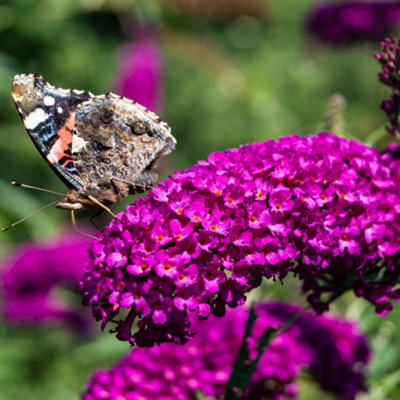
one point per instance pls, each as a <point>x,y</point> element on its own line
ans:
<point>233,76</point>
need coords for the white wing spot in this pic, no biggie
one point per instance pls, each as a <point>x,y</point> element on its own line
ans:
<point>36,117</point>
<point>59,109</point>
<point>48,100</point>
<point>78,143</point>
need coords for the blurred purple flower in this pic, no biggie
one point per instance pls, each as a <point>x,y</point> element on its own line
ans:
<point>139,75</point>
<point>323,207</point>
<point>33,276</point>
<point>389,58</point>
<point>352,21</point>
<point>332,348</point>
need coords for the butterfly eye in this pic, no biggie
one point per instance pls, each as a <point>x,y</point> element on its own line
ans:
<point>107,115</point>
<point>139,127</point>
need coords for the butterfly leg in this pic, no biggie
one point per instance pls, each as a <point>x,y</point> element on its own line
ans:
<point>92,221</point>
<point>98,203</point>
<point>77,230</point>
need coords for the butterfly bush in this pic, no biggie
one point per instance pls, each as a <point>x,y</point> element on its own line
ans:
<point>331,348</point>
<point>322,207</point>
<point>140,71</point>
<point>35,272</point>
<point>389,58</point>
<point>351,21</point>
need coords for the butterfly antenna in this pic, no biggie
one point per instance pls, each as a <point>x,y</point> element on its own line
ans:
<point>36,188</point>
<point>30,215</point>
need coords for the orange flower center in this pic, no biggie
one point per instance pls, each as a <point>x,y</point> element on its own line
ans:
<point>143,267</point>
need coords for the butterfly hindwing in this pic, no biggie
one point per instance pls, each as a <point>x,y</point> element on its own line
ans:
<point>116,138</point>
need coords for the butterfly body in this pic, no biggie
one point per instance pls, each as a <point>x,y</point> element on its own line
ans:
<point>102,147</point>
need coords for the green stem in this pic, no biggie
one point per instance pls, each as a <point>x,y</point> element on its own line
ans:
<point>244,367</point>
<point>374,137</point>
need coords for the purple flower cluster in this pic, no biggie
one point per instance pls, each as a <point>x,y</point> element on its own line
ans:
<point>389,58</point>
<point>33,275</point>
<point>331,348</point>
<point>140,71</point>
<point>322,207</point>
<point>352,21</point>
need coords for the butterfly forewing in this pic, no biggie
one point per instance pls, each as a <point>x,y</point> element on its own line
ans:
<point>48,115</point>
<point>103,147</point>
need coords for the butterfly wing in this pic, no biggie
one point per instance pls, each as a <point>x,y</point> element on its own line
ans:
<point>100,146</point>
<point>48,114</point>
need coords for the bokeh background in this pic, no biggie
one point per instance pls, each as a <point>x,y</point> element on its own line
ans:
<point>221,73</point>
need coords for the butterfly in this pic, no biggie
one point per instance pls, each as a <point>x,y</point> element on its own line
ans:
<point>103,148</point>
